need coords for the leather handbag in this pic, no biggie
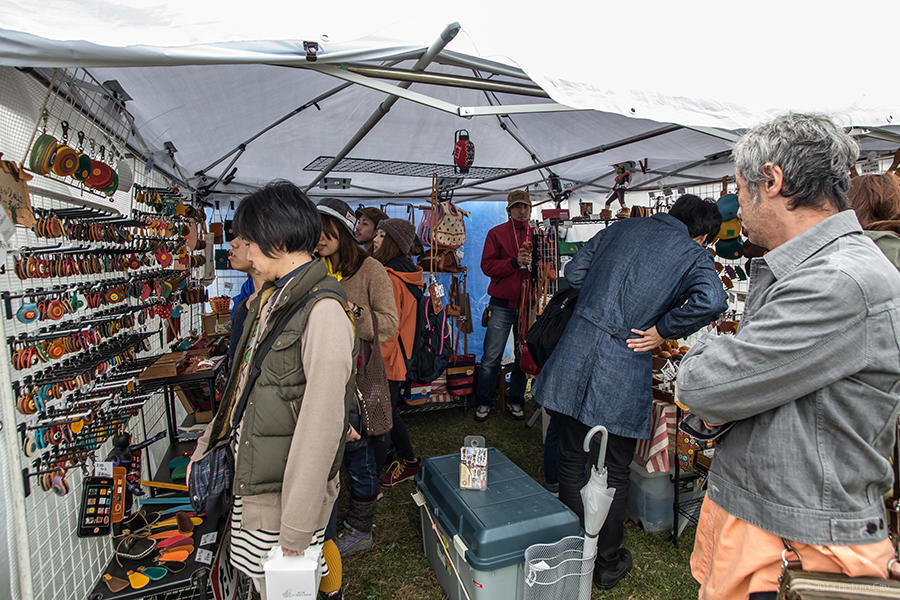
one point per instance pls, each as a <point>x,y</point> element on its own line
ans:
<point>797,584</point>
<point>461,375</point>
<point>372,384</point>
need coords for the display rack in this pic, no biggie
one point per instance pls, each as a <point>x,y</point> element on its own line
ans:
<point>87,303</point>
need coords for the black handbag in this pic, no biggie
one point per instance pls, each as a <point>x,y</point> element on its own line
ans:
<point>211,482</point>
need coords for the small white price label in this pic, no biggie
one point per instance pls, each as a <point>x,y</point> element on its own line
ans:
<point>209,538</point>
<point>439,290</point>
<point>204,556</point>
<point>103,469</point>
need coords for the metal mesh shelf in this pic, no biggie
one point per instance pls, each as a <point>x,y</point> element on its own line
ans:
<point>398,167</point>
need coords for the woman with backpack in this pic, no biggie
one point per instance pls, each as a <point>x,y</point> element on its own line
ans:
<point>392,242</point>
<point>369,293</point>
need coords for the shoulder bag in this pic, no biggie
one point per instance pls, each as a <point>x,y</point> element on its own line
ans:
<point>374,393</point>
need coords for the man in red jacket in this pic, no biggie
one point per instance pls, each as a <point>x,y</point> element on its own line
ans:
<point>505,259</point>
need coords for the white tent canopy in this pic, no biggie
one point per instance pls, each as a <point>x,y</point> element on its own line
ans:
<point>197,82</point>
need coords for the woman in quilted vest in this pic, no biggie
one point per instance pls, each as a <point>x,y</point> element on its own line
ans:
<point>287,419</point>
<point>369,292</point>
<point>392,242</point>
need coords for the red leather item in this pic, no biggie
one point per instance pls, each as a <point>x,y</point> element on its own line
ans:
<point>176,540</point>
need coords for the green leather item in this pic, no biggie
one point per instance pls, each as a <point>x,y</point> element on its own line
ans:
<point>178,461</point>
<point>179,473</point>
<point>154,573</point>
<point>730,249</point>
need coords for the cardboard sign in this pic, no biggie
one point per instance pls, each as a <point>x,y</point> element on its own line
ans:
<point>14,193</point>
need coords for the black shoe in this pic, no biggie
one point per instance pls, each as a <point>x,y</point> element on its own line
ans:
<point>607,578</point>
<point>515,410</point>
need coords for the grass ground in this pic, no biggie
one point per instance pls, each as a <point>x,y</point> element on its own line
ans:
<point>395,567</point>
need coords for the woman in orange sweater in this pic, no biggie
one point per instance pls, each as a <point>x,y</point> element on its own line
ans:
<point>393,239</point>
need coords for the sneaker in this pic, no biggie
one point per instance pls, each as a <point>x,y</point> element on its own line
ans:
<point>352,540</point>
<point>609,577</point>
<point>399,471</point>
<point>515,410</point>
<point>379,495</point>
<point>482,412</point>
<point>335,595</point>
<point>553,488</point>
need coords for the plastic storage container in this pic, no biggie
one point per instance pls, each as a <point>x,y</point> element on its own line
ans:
<point>651,497</point>
<point>487,531</point>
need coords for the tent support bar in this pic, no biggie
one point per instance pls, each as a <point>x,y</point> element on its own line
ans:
<point>394,91</point>
<point>426,59</point>
<point>877,133</point>
<point>449,80</point>
<point>681,169</point>
<point>455,59</point>
<point>291,114</point>
<point>716,133</point>
<point>515,109</point>
<point>700,181</point>
<point>577,155</point>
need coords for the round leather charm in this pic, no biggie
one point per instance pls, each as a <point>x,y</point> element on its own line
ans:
<point>56,350</point>
<point>29,447</point>
<point>43,154</point>
<point>66,161</point>
<point>27,313</point>
<point>76,426</point>
<point>101,175</point>
<point>56,310</point>
<point>83,170</point>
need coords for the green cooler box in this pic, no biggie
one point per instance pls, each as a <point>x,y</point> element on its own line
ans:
<point>487,531</point>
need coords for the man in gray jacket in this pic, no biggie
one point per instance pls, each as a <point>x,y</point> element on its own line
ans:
<point>811,378</point>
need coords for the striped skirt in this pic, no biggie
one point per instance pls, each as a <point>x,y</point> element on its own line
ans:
<point>250,547</point>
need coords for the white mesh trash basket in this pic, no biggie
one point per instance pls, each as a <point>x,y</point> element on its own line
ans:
<point>557,571</point>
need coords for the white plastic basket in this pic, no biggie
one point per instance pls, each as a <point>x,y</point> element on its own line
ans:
<point>557,571</point>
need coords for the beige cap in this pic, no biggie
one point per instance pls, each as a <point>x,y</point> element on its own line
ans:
<point>518,197</point>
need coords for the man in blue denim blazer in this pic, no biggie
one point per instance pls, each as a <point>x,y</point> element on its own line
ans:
<point>811,379</point>
<point>642,281</point>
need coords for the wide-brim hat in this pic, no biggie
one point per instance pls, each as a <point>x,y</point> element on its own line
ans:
<point>338,209</point>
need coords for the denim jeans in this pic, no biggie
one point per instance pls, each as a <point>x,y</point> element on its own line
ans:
<point>499,324</point>
<point>573,463</point>
<point>363,472</point>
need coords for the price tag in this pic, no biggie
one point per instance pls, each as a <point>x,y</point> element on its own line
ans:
<point>668,371</point>
<point>228,285</point>
<point>439,290</point>
<point>103,469</point>
<point>209,538</point>
<point>203,556</point>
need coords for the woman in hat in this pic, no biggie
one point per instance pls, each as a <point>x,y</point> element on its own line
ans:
<point>369,293</point>
<point>367,218</point>
<point>392,242</point>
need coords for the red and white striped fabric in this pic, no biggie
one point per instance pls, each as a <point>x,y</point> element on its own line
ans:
<point>653,454</point>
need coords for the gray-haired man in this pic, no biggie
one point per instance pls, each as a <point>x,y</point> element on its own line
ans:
<point>812,376</point>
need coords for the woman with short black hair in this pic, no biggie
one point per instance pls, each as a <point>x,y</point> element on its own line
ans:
<point>284,409</point>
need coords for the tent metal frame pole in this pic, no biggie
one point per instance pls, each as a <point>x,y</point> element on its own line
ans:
<point>293,113</point>
<point>448,80</point>
<point>721,134</point>
<point>578,155</point>
<point>426,59</point>
<point>401,91</point>
<point>680,169</point>
<point>455,59</point>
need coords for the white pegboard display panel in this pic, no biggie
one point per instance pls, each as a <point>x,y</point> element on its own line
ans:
<point>98,312</point>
